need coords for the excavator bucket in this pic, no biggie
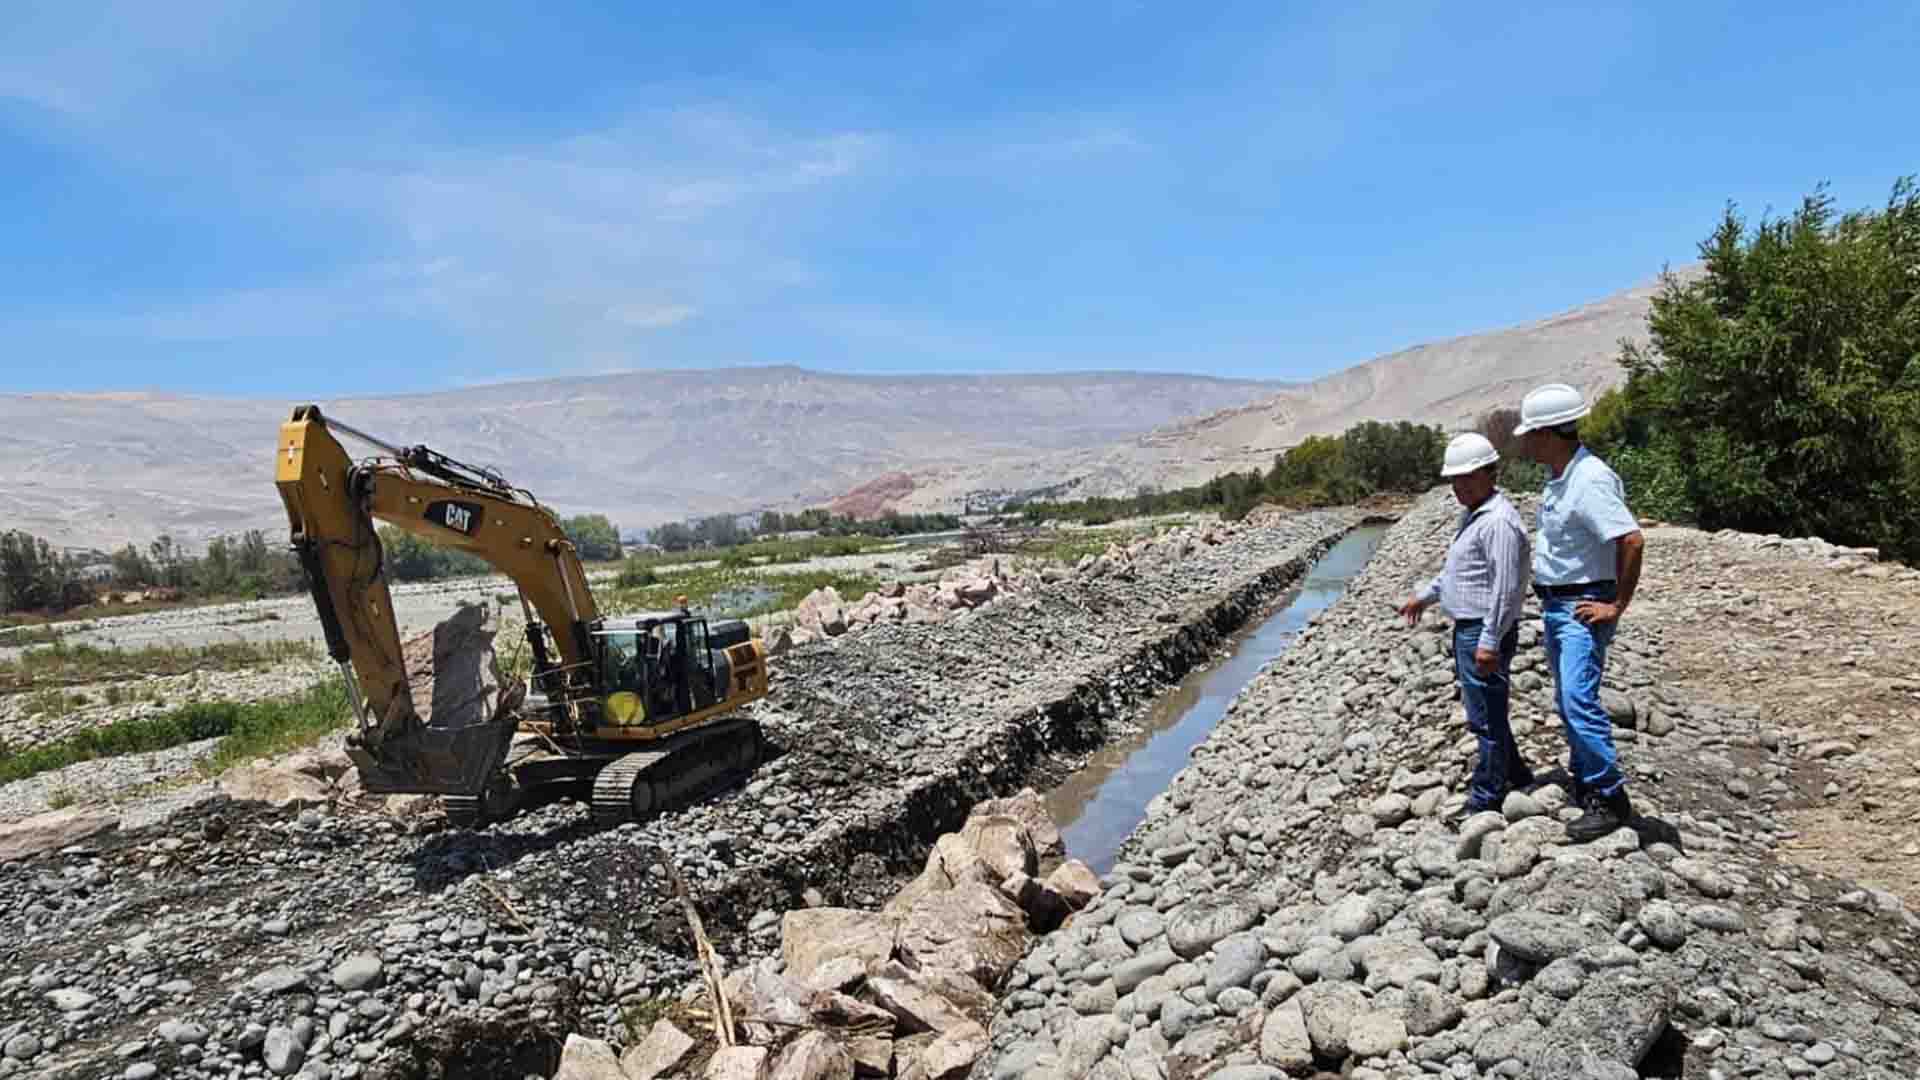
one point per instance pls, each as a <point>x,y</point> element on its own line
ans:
<point>451,731</point>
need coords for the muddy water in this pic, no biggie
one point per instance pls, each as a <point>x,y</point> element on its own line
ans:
<point>1099,805</point>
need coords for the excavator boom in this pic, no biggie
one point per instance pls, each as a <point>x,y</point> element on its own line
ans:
<point>331,503</point>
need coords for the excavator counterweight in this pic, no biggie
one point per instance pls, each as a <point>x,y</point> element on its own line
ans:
<point>652,693</point>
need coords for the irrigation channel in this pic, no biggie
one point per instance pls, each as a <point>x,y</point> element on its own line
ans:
<point>1101,804</point>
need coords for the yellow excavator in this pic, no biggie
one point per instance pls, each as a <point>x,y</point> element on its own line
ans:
<point>638,708</point>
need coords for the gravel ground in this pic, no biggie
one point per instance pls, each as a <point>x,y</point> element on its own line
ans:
<point>1301,900</point>
<point>230,940</point>
<point>108,780</point>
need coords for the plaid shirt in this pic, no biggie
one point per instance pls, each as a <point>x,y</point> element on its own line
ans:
<point>1485,576</point>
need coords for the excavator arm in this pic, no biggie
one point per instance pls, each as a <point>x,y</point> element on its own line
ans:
<point>332,502</point>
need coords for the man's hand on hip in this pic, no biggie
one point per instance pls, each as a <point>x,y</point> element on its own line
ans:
<point>1593,612</point>
<point>1484,659</point>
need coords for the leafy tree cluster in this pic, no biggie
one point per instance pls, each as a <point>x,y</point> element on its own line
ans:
<point>1781,389</point>
<point>1516,472</point>
<point>33,576</point>
<point>410,558</point>
<point>594,538</point>
<point>889,524</point>
<point>725,530</point>
<point>1323,470</point>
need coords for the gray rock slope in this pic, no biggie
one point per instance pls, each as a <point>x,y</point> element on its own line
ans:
<point>1450,383</point>
<point>645,447</point>
<point>1299,900</point>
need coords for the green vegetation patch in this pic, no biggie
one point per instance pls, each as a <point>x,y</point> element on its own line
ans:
<point>249,730</point>
<point>1368,459</point>
<point>268,728</point>
<point>734,592</point>
<point>1071,545</point>
<point>62,663</point>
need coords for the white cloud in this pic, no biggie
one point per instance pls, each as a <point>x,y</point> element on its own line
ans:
<point>651,316</point>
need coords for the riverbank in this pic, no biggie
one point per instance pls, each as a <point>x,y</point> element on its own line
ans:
<point>1299,899</point>
<point>882,740</point>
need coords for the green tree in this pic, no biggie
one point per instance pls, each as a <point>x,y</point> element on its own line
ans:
<point>32,575</point>
<point>673,536</point>
<point>131,569</point>
<point>594,537</point>
<point>1517,473</point>
<point>1781,389</point>
<point>410,558</point>
<point>719,530</point>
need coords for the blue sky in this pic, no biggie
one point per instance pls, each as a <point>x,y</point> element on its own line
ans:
<point>290,199</point>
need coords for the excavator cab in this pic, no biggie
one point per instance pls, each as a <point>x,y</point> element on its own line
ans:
<point>660,667</point>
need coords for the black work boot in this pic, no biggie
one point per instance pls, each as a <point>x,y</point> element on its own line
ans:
<point>1605,813</point>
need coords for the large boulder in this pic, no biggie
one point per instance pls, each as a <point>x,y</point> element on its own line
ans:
<point>951,1056</point>
<point>663,1051</point>
<point>1002,843</point>
<point>1615,1019</point>
<point>52,831</point>
<point>281,789</point>
<point>812,937</point>
<point>916,1006</point>
<point>970,928</point>
<point>951,862</point>
<point>1027,808</point>
<point>737,1063</point>
<point>813,1056</point>
<point>1074,883</point>
<point>582,1058</point>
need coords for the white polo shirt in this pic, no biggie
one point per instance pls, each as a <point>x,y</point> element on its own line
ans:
<point>1581,515</point>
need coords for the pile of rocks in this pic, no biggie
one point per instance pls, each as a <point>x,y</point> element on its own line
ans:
<point>234,917</point>
<point>898,992</point>
<point>824,613</point>
<point>1305,896</point>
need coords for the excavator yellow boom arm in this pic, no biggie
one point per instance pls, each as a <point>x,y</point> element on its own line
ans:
<point>332,503</point>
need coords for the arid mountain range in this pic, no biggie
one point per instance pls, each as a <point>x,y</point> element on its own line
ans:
<point>1451,383</point>
<point>100,470</point>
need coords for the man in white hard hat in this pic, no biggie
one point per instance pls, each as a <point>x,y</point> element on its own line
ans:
<point>1586,565</point>
<point>1482,588</point>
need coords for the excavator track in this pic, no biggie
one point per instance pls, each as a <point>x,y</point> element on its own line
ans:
<point>635,786</point>
<point>463,811</point>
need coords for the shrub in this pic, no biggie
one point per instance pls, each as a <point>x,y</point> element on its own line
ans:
<point>1781,389</point>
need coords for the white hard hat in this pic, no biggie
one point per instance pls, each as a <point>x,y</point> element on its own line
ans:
<point>1550,406</point>
<point>1466,453</point>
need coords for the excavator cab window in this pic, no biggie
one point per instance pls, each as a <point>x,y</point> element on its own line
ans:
<point>623,664</point>
<point>700,670</point>
<point>667,674</point>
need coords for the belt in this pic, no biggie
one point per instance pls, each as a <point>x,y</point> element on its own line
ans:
<point>1578,589</point>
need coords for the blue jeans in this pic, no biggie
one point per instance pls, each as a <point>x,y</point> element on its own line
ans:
<point>1576,656</point>
<point>1500,767</point>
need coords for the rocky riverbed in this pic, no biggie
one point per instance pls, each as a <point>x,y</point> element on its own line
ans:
<point>332,940</point>
<point>1304,900</point>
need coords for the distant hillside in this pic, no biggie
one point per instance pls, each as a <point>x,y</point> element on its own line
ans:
<point>1450,383</point>
<point>103,469</point>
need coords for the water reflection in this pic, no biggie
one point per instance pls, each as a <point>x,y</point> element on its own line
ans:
<point>1106,800</point>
